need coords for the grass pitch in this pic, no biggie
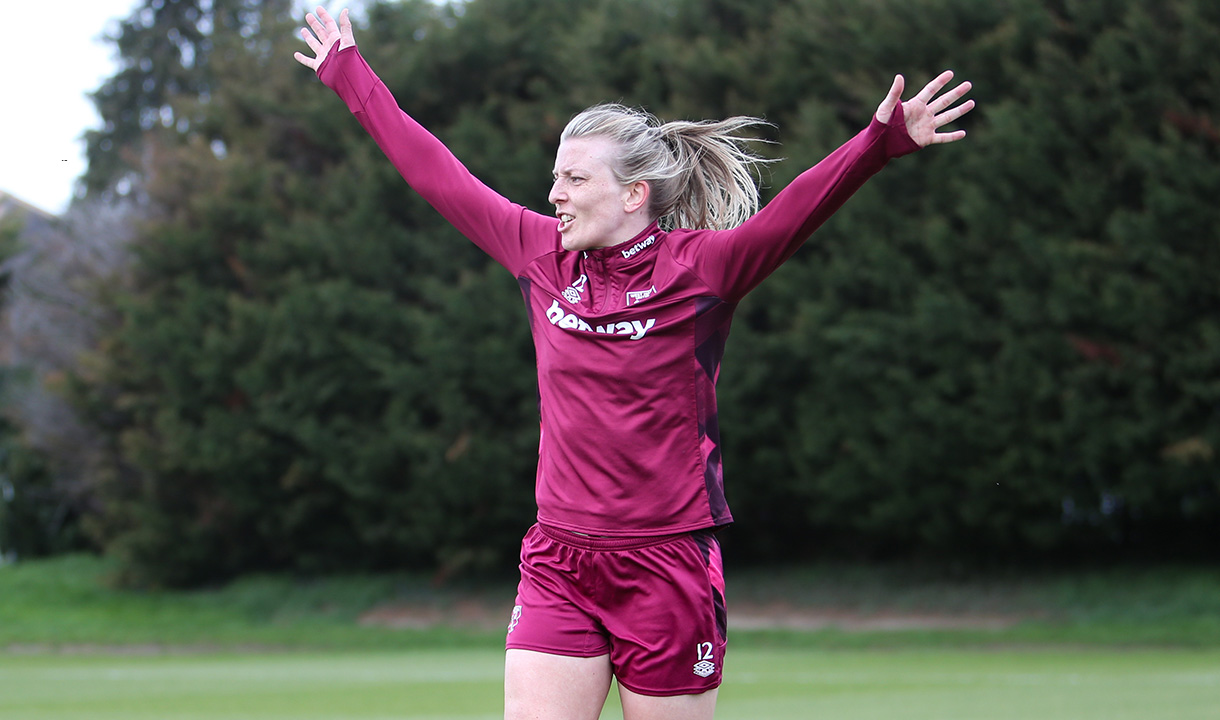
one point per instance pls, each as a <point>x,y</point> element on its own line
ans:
<point>970,684</point>
<point>1102,645</point>
<point>776,684</point>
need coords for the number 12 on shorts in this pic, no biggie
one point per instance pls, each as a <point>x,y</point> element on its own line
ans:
<point>703,654</point>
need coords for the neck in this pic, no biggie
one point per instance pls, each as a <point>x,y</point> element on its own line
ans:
<point>631,231</point>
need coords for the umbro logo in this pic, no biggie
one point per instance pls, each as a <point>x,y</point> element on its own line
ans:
<point>705,666</point>
<point>573,292</point>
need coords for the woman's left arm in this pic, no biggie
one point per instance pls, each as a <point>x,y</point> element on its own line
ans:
<point>733,262</point>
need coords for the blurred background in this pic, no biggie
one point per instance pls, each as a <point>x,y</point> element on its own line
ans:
<point>244,346</point>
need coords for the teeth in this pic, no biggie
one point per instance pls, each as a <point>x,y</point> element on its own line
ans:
<point>566,217</point>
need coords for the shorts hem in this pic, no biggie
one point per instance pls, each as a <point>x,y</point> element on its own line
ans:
<point>556,651</point>
<point>670,692</point>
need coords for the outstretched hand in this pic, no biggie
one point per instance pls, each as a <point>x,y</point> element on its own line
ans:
<point>925,113</point>
<point>326,32</point>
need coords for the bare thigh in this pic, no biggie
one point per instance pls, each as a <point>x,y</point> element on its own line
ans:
<point>539,686</point>
<point>677,707</point>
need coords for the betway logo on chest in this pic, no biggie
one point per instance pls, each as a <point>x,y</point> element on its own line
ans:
<point>571,321</point>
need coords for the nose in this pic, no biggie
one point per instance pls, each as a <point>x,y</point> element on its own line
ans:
<point>557,195</point>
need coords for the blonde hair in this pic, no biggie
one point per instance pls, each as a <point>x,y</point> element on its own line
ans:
<point>700,174</point>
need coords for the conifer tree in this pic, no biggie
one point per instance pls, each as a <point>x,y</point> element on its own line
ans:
<point>999,349</point>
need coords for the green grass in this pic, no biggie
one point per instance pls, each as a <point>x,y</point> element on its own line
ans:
<point>1120,606</point>
<point>927,683</point>
<point>68,602</point>
<point>433,683</point>
<point>1113,644</point>
<point>774,684</point>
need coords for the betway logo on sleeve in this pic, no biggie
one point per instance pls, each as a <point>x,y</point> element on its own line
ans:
<point>571,321</point>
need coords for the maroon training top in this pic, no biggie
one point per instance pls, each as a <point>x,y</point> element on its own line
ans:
<point>628,338</point>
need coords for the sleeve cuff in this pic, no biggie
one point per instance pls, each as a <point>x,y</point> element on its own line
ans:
<point>349,76</point>
<point>898,141</point>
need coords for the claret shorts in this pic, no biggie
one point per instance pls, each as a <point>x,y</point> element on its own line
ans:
<point>654,605</point>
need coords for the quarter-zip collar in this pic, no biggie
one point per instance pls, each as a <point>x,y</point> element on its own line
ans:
<point>628,252</point>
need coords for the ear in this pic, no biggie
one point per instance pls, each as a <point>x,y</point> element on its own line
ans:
<point>636,196</point>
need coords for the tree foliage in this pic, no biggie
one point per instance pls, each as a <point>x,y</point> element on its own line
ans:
<point>999,348</point>
<point>993,356</point>
<point>38,511</point>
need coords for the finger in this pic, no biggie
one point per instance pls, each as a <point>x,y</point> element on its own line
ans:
<point>931,89</point>
<point>895,90</point>
<point>315,24</point>
<point>346,39</point>
<point>886,109</point>
<point>327,20</point>
<point>306,60</point>
<point>949,98</point>
<point>311,41</point>
<point>940,138</point>
<point>949,116</point>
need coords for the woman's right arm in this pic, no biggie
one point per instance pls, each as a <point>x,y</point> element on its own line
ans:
<point>512,235</point>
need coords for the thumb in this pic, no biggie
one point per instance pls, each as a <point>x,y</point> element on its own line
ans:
<point>886,109</point>
<point>346,39</point>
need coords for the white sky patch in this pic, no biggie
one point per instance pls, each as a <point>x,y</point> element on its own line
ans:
<point>53,56</point>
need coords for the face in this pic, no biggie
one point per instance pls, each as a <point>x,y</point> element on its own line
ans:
<point>594,209</point>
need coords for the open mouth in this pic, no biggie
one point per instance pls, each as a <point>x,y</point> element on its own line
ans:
<point>565,221</point>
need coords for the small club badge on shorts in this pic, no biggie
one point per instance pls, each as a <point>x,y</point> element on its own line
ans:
<point>516,618</point>
<point>703,668</point>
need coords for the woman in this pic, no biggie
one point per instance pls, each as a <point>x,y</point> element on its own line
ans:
<point>621,576</point>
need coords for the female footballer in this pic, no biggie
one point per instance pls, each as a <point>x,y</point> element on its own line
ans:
<point>629,286</point>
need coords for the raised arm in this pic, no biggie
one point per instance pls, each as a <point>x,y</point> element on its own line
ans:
<point>735,261</point>
<point>512,235</point>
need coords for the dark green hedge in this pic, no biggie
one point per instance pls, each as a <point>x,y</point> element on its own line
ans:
<point>1006,348</point>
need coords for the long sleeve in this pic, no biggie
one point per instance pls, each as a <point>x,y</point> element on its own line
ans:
<point>733,262</point>
<point>510,233</point>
